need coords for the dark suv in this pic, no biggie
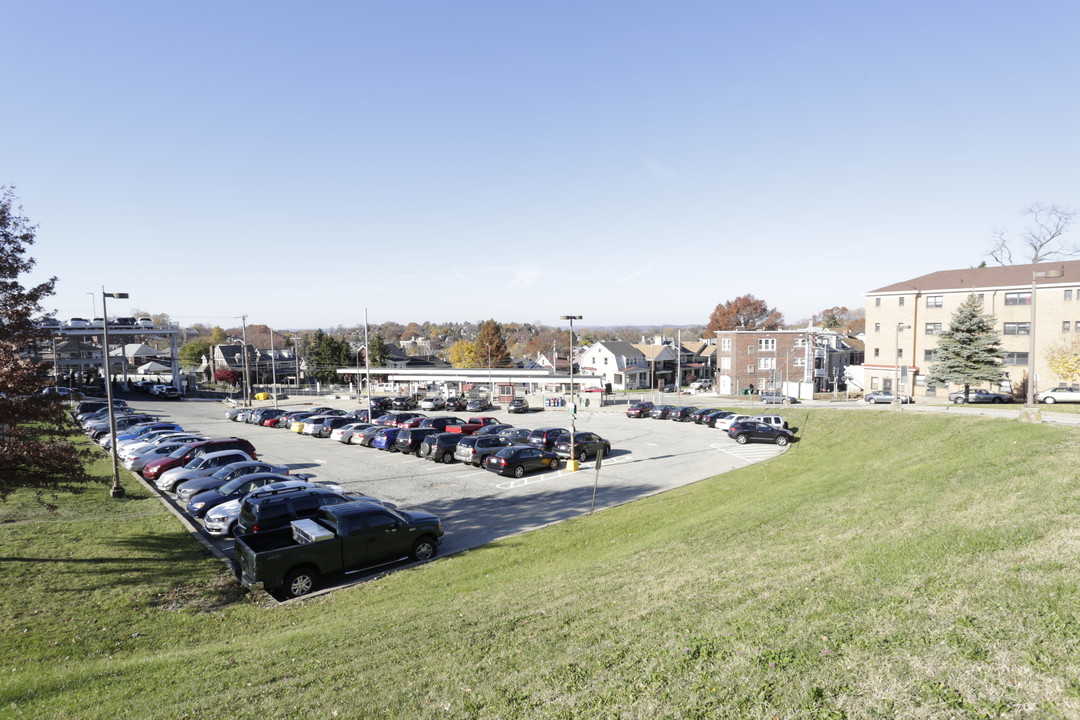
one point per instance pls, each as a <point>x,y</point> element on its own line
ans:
<point>272,508</point>
<point>546,437</point>
<point>639,410</point>
<point>409,439</point>
<point>439,446</point>
<point>441,422</point>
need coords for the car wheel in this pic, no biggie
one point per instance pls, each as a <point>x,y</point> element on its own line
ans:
<point>519,471</point>
<point>423,549</point>
<point>447,458</point>
<point>583,455</point>
<point>959,401</point>
<point>997,401</point>
<point>741,439</point>
<point>299,582</point>
<point>231,530</point>
<point>781,441</point>
<point>872,401</point>
<point>554,464</point>
<point>1049,400</point>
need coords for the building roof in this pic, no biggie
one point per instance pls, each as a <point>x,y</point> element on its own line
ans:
<point>620,348</point>
<point>1002,276</point>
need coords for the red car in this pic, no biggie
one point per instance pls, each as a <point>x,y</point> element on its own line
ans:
<point>182,455</point>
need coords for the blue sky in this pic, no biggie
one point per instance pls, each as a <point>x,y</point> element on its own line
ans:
<point>634,163</point>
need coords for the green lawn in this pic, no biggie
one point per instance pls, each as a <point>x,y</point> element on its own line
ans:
<point>891,565</point>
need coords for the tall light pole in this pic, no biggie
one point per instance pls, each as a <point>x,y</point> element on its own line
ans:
<point>572,466</point>
<point>117,490</point>
<point>1055,273</point>
<point>273,369</point>
<point>93,305</point>
<point>900,327</point>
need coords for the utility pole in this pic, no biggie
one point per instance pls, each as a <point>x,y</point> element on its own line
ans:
<point>247,374</point>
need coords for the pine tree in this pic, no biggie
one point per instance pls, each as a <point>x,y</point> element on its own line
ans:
<point>36,451</point>
<point>969,352</point>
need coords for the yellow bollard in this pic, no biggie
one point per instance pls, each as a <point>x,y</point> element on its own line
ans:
<point>572,465</point>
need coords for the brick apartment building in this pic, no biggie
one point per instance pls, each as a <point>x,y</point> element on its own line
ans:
<point>903,322</point>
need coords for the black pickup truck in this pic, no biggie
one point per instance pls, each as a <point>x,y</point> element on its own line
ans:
<point>345,538</point>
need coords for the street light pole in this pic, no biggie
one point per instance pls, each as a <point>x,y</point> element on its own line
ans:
<point>572,466</point>
<point>1055,273</point>
<point>117,490</point>
<point>896,367</point>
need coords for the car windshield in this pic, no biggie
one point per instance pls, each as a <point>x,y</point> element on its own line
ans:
<point>223,472</point>
<point>180,451</point>
<point>234,484</point>
<point>196,463</point>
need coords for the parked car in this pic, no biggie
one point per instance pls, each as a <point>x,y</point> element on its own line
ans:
<point>365,437</point>
<point>546,437</point>
<point>136,463</point>
<point>518,405</point>
<point>186,453</point>
<point>682,414</point>
<point>385,438</point>
<point>170,393</point>
<point>698,416</point>
<point>660,412</point>
<point>519,460</point>
<point>474,448</point>
<point>1062,393</point>
<point>78,323</point>
<point>198,467</point>
<point>716,416</point>
<point>344,433</point>
<point>432,403</point>
<point>440,446</point>
<point>516,434</point>
<point>404,402</point>
<point>477,405</point>
<point>639,410</point>
<point>273,507</point>
<point>774,420</point>
<point>978,395</point>
<point>492,429</point>
<point>441,422</point>
<point>227,473</point>
<point>456,404</point>
<point>746,431</point>
<point>775,398</point>
<point>220,520</point>
<point>726,422</point>
<point>585,444</point>
<point>886,396</point>
<point>381,404</point>
<point>201,503</point>
<point>409,439</point>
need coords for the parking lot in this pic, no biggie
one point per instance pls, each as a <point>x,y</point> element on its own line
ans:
<point>475,505</point>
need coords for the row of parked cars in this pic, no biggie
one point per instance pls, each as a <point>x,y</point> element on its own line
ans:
<point>221,483</point>
<point>740,428</point>
<point>483,442</point>
<point>83,323</point>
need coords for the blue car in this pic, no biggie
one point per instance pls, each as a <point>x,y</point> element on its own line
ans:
<point>386,438</point>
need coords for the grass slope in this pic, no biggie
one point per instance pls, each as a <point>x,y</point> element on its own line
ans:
<point>888,566</point>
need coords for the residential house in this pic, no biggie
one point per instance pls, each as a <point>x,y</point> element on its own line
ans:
<point>621,364</point>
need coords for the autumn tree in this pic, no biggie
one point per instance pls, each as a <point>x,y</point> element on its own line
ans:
<point>462,354</point>
<point>217,335</point>
<point>969,351</point>
<point>225,374</point>
<point>491,346</point>
<point>1043,240</point>
<point>1063,359</point>
<point>36,452</point>
<point>841,319</point>
<point>744,313</point>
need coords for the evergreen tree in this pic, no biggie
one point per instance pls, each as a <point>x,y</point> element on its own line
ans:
<point>36,451</point>
<point>969,352</point>
<point>491,346</point>
<point>378,350</point>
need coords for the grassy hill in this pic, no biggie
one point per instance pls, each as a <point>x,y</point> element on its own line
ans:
<point>888,566</point>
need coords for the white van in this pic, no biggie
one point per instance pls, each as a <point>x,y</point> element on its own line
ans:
<point>701,385</point>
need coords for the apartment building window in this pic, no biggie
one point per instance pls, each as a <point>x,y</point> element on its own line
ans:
<point>725,344</point>
<point>767,344</point>
<point>1018,298</point>
<point>877,302</point>
<point>929,355</point>
<point>725,363</point>
<point>1078,326</point>
<point>799,362</point>
<point>933,328</point>
<point>875,383</point>
<point>981,297</point>
<point>749,349</point>
<point>899,352</point>
<point>1016,358</point>
<point>766,363</point>
<point>1068,295</point>
<point>1066,326</point>
<point>933,301</point>
<point>800,342</point>
<point>877,352</point>
<point>877,327</point>
<point>900,301</point>
<point>750,368</point>
<point>1018,328</point>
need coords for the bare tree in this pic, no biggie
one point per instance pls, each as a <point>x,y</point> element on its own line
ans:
<point>1042,240</point>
